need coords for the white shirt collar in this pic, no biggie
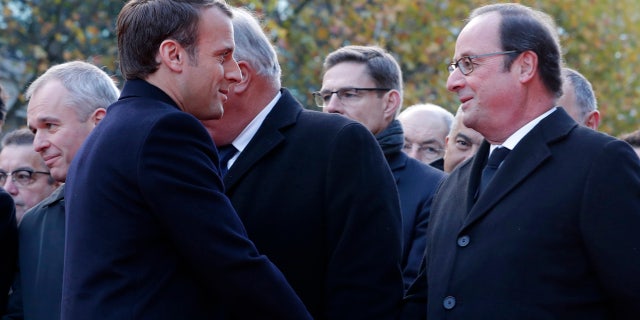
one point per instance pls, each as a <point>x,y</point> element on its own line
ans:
<point>515,138</point>
<point>243,139</point>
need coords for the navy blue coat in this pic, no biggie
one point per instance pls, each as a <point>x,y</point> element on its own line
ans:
<point>37,289</point>
<point>317,197</point>
<point>554,236</point>
<point>417,183</point>
<point>8,245</point>
<point>150,233</point>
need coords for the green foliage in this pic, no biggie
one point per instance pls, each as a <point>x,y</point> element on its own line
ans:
<point>599,39</point>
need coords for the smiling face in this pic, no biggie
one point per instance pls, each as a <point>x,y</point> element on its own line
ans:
<point>204,81</point>
<point>59,133</point>
<point>489,95</point>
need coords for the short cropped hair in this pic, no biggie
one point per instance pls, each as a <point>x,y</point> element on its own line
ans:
<point>253,46</point>
<point>381,65</point>
<point>583,91</point>
<point>525,29</point>
<point>90,87</point>
<point>142,25</point>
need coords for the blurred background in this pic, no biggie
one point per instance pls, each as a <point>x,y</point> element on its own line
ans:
<point>599,39</point>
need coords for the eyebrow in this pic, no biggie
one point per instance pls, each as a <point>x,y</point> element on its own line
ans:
<point>424,142</point>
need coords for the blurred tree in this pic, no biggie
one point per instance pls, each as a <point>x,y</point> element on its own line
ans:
<point>599,39</point>
<point>40,33</point>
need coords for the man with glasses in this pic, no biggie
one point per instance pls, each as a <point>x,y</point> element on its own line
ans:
<point>364,83</point>
<point>542,222</point>
<point>425,129</point>
<point>23,173</point>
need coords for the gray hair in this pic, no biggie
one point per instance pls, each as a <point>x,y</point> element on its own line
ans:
<point>585,97</point>
<point>253,46</point>
<point>90,88</point>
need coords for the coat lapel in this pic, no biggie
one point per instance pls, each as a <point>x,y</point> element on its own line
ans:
<point>268,137</point>
<point>530,153</point>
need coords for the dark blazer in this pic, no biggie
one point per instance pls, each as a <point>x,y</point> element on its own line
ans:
<point>554,236</point>
<point>8,245</point>
<point>317,197</point>
<point>37,289</point>
<point>150,234</point>
<point>417,183</point>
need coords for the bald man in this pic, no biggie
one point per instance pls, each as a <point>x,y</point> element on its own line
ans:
<point>425,128</point>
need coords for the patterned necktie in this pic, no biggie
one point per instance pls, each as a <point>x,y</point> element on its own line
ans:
<point>226,153</point>
<point>496,158</point>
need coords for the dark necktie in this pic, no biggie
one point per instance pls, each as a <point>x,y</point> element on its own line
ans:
<point>496,158</point>
<point>226,153</point>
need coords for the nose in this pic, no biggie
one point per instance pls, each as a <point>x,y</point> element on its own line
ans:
<point>39,142</point>
<point>412,151</point>
<point>232,72</point>
<point>334,105</point>
<point>10,186</point>
<point>455,81</point>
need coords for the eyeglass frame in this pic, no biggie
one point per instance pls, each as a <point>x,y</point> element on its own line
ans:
<point>4,175</point>
<point>319,96</point>
<point>455,65</point>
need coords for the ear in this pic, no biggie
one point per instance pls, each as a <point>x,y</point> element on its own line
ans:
<point>527,65</point>
<point>392,103</point>
<point>98,115</point>
<point>246,72</point>
<point>172,55</point>
<point>592,120</point>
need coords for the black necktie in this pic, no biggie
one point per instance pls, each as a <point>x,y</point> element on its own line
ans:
<point>226,153</point>
<point>496,158</point>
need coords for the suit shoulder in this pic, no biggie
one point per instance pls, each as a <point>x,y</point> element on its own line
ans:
<point>424,170</point>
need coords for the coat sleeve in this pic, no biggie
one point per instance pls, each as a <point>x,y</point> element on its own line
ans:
<point>365,230</point>
<point>179,165</point>
<point>610,221</point>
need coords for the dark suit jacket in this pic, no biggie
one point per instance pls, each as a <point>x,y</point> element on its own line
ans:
<point>37,289</point>
<point>554,236</point>
<point>417,183</point>
<point>8,245</point>
<point>150,234</point>
<point>317,197</point>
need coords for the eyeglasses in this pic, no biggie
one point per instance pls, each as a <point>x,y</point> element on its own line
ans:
<point>22,177</point>
<point>425,151</point>
<point>345,95</point>
<point>465,64</point>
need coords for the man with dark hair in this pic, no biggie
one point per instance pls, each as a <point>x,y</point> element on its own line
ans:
<point>542,222</point>
<point>312,189</point>
<point>23,173</point>
<point>150,233</point>
<point>364,83</point>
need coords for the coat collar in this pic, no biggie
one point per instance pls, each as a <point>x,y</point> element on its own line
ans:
<point>284,114</point>
<point>530,153</point>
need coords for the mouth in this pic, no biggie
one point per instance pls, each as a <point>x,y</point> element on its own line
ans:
<point>49,160</point>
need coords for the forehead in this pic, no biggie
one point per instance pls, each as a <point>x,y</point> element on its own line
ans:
<point>19,156</point>
<point>481,35</point>
<point>347,74</point>
<point>215,30</point>
<point>51,98</point>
